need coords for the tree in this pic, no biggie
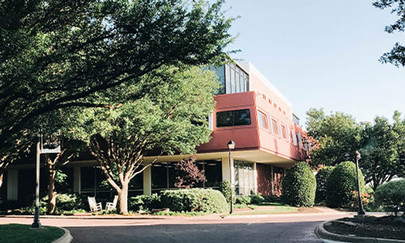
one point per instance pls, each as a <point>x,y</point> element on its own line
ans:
<point>397,55</point>
<point>379,152</point>
<point>337,134</point>
<point>170,118</point>
<point>56,54</point>
<point>188,173</point>
<point>399,128</point>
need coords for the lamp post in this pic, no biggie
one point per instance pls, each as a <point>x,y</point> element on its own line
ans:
<point>50,147</point>
<point>231,145</point>
<point>361,209</point>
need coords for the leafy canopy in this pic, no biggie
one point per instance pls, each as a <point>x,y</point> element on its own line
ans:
<point>56,54</point>
<point>397,55</point>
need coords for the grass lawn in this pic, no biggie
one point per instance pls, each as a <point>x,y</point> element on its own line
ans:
<point>23,233</point>
<point>264,208</point>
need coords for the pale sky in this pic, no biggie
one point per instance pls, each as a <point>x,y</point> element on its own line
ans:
<point>322,53</point>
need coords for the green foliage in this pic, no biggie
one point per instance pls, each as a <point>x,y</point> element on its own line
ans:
<point>256,198</point>
<point>397,55</point>
<point>144,202</point>
<point>66,202</point>
<point>225,189</point>
<point>338,134</point>
<point>200,200</point>
<point>391,196</point>
<point>321,178</point>
<point>379,153</point>
<point>244,199</point>
<point>299,186</point>
<point>341,183</point>
<point>69,53</point>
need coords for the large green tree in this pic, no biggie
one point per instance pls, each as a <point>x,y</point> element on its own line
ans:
<point>56,54</point>
<point>338,135</point>
<point>379,152</point>
<point>397,55</point>
<point>170,118</point>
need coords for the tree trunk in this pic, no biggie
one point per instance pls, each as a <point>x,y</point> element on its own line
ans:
<point>51,190</point>
<point>1,179</point>
<point>123,198</point>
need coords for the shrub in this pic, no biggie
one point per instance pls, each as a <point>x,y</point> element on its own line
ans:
<point>256,198</point>
<point>321,177</point>
<point>391,196</point>
<point>244,199</point>
<point>144,202</point>
<point>190,200</point>
<point>225,189</point>
<point>272,199</point>
<point>299,186</point>
<point>340,184</point>
<point>65,202</point>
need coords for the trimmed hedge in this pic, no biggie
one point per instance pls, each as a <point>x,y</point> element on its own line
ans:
<point>194,200</point>
<point>321,177</point>
<point>144,202</point>
<point>341,183</point>
<point>299,186</point>
<point>391,196</point>
<point>244,199</point>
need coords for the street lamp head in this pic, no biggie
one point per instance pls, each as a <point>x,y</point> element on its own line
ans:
<point>231,144</point>
<point>358,155</point>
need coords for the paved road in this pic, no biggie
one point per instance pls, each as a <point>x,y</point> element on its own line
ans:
<point>200,233</point>
<point>273,228</point>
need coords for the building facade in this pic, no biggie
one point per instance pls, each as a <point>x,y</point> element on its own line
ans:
<point>249,110</point>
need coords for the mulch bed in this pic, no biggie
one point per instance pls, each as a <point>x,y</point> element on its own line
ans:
<point>388,227</point>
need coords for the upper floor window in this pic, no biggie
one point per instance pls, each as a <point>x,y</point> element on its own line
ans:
<point>263,120</point>
<point>283,131</point>
<point>274,125</point>
<point>233,118</point>
<point>236,80</point>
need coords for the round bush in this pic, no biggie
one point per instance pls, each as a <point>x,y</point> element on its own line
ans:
<point>391,196</point>
<point>299,186</point>
<point>194,200</point>
<point>341,183</point>
<point>321,177</point>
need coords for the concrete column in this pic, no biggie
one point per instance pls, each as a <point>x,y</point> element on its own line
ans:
<point>147,181</point>
<point>77,179</point>
<point>12,185</point>
<point>255,177</point>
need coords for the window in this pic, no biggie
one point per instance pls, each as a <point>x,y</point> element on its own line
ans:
<point>294,138</point>
<point>283,131</point>
<point>236,80</point>
<point>274,125</point>
<point>233,118</point>
<point>263,120</point>
<point>244,177</point>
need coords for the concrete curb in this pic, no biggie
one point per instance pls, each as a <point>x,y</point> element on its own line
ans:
<point>66,238</point>
<point>321,232</point>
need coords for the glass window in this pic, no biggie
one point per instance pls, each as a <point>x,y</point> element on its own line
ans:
<point>221,79</point>
<point>244,177</point>
<point>159,176</point>
<point>274,125</point>
<point>283,131</point>
<point>294,138</point>
<point>263,120</point>
<point>233,118</point>
<point>227,79</point>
